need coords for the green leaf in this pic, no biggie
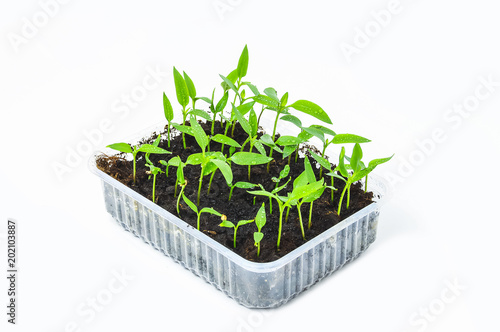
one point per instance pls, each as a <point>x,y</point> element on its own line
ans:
<point>266,101</point>
<point>278,189</point>
<point>304,191</point>
<point>312,109</point>
<point>300,180</point>
<point>223,139</point>
<point>190,86</point>
<point>320,160</point>
<point>267,140</point>
<point>225,169</point>
<point>249,159</point>
<point>315,132</point>
<point>341,166</point>
<point>356,156</point>
<point>209,168</point>
<point>244,222</point>
<point>271,92</point>
<point>222,103</point>
<point>284,172</point>
<point>288,150</point>
<point>183,129</point>
<point>245,108</point>
<point>181,89</point>
<point>233,76</point>
<point>252,87</point>
<point>260,218</point>
<point>261,193</point>
<point>211,211</point>
<point>284,99</point>
<point>167,107</point>
<point>348,138</point>
<point>375,162</point>
<point>243,122</point>
<point>205,99</point>
<point>189,203</point>
<point>361,174</point>
<point>230,84</point>
<point>148,148</point>
<point>175,161</point>
<point>157,141</point>
<point>199,133</point>
<point>326,131</point>
<point>309,170</point>
<point>244,185</point>
<point>258,145</point>
<point>227,223</point>
<point>258,236</point>
<point>243,63</point>
<point>201,113</point>
<point>180,173</point>
<point>304,135</point>
<point>195,159</point>
<point>122,147</point>
<point>314,196</point>
<point>288,140</point>
<point>293,119</point>
<point>252,119</point>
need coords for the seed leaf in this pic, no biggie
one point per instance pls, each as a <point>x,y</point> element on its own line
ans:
<point>175,161</point>
<point>253,88</point>
<point>249,158</point>
<point>199,133</point>
<point>375,162</point>
<point>356,156</point>
<point>300,180</point>
<point>252,119</point>
<point>309,170</point>
<point>243,122</point>
<point>284,99</point>
<point>293,119</point>
<point>148,148</point>
<point>320,160</point>
<point>122,147</point>
<point>225,169</point>
<point>271,92</point>
<point>243,63</point>
<point>227,223</point>
<point>258,145</point>
<point>261,193</point>
<point>210,210</point>
<point>244,185</point>
<point>244,222</point>
<point>181,89</point>
<point>260,218</point>
<point>258,236</point>
<point>341,166</point>
<point>167,107</point>
<point>304,191</point>
<point>284,172</point>
<point>245,108</point>
<point>315,132</point>
<point>205,99</point>
<point>312,109</point>
<point>222,103</point>
<point>190,86</point>
<point>223,139</point>
<point>229,84</point>
<point>349,138</point>
<point>189,203</point>
<point>183,129</point>
<point>288,140</point>
<point>266,101</point>
<point>201,113</point>
<point>288,150</point>
<point>314,196</point>
<point>325,130</point>
<point>195,159</point>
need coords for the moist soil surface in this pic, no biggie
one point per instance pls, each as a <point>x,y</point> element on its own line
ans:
<point>240,207</point>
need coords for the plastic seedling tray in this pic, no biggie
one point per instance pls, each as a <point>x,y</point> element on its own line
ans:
<point>254,285</point>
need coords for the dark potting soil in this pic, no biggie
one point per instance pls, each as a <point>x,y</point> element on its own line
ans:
<point>241,205</point>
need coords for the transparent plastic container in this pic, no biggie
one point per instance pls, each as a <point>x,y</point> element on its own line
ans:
<point>254,285</point>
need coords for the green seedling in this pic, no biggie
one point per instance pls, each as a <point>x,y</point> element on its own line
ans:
<point>182,93</point>
<point>180,180</point>
<point>153,170</point>
<point>146,148</point>
<point>204,158</point>
<point>283,174</point>
<point>228,224</point>
<point>358,171</point>
<point>169,115</point>
<point>260,221</point>
<point>284,202</point>
<point>199,212</point>
<point>241,185</point>
<point>331,172</point>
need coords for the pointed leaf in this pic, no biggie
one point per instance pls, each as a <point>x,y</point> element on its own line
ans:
<point>225,169</point>
<point>222,103</point>
<point>243,63</point>
<point>244,222</point>
<point>271,92</point>
<point>252,119</point>
<point>341,166</point>
<point>288,140</point>
<point>227,223</point>
<point>293,119</point>
<point>284,99</point>
<point>320,160</point>
<point>309,170</point>
<point>266,101</point>
<point>325,130</point>
<point>223,139</point>
<point>304,191</point>
<point>189,203</point>
<point>260,148</point>
<point>312,109</point>
<point>190,86</point>
<point>199,133</point>
<point>356,156</point>
<point>195,159</point>
<point>175,161</point>
<point>201,113</point>
<point>249,158</point>
<point>258,236</point>
<point>181,89</point>
<point>375,162</point>
<point>148,148</point>
<point>243,122</point>
<point>122,147</point>
<point>167,107</point>
<point>183,129</point>
<point>315,132</point>
<point>252,87</point>
<point>211,211</point>
<point>229,84</point>
<point>245,108</point>
<point>349,138</point>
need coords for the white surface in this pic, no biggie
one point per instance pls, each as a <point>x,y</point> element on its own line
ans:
<point>439,226</point>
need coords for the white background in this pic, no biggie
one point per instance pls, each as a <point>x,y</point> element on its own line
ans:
<point>70,72</point>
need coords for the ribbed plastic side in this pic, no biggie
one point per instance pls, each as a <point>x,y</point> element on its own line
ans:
<point>254,285</point>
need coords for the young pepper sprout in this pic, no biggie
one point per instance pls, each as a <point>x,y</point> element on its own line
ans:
<point>199,212</point>
<point>228,224</point>
<point>147,148</point>
<point>260,221</point>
